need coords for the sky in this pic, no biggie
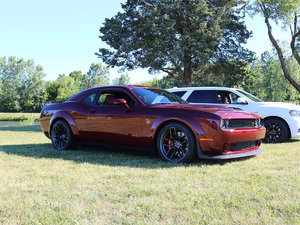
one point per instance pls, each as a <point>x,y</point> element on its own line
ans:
<point>63,35</point>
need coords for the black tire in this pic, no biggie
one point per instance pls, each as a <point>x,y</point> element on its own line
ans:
<point>276,130</point>
<point>61,135</point>
<point>176,143</point>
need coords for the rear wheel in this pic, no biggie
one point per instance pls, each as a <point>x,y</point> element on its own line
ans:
<point>276,130</point>
<point>61,135</point>
<point>176,143</point>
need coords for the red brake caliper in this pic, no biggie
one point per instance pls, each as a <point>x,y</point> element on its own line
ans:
<point>170,142</point>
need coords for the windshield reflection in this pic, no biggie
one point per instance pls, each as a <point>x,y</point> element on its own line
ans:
<point>153,96</point>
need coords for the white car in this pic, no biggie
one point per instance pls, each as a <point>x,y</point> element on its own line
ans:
<point>282,120</point>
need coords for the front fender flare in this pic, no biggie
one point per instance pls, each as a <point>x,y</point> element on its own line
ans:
<point>191,123</point>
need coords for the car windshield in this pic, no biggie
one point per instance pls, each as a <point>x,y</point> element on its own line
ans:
<point>250,96</point>
<point>153,96</point>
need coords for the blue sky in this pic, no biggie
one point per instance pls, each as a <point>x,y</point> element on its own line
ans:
<point>62,36</point>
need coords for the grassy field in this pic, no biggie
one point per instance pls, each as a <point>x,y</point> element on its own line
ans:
<point>29,117</point>
<point>40,185</point>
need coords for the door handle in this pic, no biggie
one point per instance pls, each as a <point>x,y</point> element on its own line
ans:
<point>92,111</point>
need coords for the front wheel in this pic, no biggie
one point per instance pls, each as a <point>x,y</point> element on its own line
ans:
<point>176,143</point>
<point>276,131</point>
<point>61,135</point>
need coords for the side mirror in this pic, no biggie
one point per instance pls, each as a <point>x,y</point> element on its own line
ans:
<point>241,101</point>
<point>121,102</point>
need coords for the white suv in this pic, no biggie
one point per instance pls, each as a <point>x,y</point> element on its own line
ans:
<point>282,120</point>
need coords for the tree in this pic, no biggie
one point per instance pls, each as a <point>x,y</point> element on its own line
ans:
<point>34,91</point>
<point>267,81</point>
<point>285,11</point>
<point>1,107</point>
<point>81,79</point>
<point>182,38</point>
<point>62,89</point>
<point>122,80</point>
<point>22,85</point>
<point>98,75</point>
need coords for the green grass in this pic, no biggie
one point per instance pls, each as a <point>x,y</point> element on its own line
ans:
<point>40,185</point>
<point>29,117</point>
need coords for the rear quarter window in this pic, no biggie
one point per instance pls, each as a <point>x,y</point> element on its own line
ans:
<point>179,93</point>
<point>203,96</point>
<point>90,98</point>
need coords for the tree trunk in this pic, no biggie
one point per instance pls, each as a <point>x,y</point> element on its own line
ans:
<point>295,34</point>
<point>187,73</point>
<point>279,52</point>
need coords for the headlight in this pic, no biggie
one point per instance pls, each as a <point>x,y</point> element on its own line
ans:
<point>295,113</point>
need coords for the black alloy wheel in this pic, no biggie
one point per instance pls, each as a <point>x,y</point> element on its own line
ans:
<point>176,143</point>
<point>61,135</point>
<point>276,131</point>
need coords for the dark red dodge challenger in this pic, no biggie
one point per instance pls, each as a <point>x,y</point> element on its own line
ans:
<point>149,117</point>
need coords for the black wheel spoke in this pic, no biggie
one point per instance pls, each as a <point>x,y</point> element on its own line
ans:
<point>174,144</point>
<point>60,135</point>
<point>275,131</point>
<point>172,154</point>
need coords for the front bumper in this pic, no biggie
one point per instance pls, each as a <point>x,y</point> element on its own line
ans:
<point>230,156</point>
<point>227,142</point>
<point>295,127</point>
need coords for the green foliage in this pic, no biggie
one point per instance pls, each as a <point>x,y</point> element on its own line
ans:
<point>182,38</point>
<point>22,85</point>
<point>81,79</point>
<point>23,88</point>
<point>98,75</point>
<point>267,81</point>
<point>284,12</point>
<point>67,86</point>
<point>0,89</point>
<point>277,10</point>
<point>122,80</point>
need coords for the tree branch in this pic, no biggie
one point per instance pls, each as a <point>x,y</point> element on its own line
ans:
<point>295,34</point>
<point>278,49</point>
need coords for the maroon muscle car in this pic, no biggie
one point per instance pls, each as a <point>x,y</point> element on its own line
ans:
<point>149,117</point>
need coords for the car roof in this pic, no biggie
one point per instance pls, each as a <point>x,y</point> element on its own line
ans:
<point>79,95</point>
<point>201,88</point>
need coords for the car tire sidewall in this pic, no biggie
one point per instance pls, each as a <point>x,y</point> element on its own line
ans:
<point>191,154</point>
<point>285,129</point>
<point>70,141</point>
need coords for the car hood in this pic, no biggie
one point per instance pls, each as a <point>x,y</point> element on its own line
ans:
<point>222,111</point>
<point>283,105</point>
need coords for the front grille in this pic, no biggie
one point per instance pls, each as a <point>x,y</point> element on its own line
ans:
<point>238,146</point>
<point>238,123</point>
<point>241,123</point>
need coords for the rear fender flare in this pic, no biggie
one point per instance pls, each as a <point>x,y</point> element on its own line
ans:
<point>68,118</point>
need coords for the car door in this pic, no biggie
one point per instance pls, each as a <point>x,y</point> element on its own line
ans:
<point>81,115</point>
<point>115,124</point>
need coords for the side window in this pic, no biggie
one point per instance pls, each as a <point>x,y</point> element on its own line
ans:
<point>102,98</point>
<point>179,93</point>
<point>108,98</point>
<point>227,97</point>
<point>234,97</point>
<point>203,96</point>
<point>90,98</point>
